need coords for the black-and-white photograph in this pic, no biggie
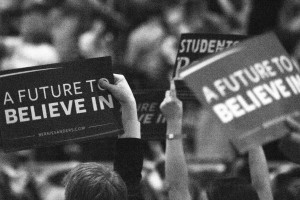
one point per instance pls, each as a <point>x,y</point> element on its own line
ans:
<point>149,100</point>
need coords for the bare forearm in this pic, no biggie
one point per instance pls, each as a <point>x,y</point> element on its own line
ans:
<point>176,167</point>
<point>260,173</point>
<point>130,121</point>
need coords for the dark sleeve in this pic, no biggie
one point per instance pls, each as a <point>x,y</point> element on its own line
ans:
<point>129,163</point>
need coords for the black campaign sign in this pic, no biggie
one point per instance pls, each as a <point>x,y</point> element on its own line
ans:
<point>195,46</point>
<point>153,123</point>
<point>55,103</point>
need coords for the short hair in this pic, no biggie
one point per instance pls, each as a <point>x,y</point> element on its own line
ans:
<point>94,181</point>
<point>231,189</point>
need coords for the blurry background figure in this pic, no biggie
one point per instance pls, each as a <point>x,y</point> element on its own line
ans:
<point>22,178</point>
<point>96,42</point>
<point>50,180</point>
<point>16,176</point>
<point>152,46</point>
<point>33,46</point>
<point>67,22</point>
<point>10,13</point>
<point>290,16</point>
<point>153,186</point>
<point>289,24</point>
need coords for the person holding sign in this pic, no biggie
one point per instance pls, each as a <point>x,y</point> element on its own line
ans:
<point>176,167</point>
<point>226,188</point>
<point>93,181</point>
<point>233,188</point>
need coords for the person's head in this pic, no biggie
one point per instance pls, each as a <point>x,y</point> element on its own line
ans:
<point>286,186</point>
<point>93,181</point>
<point>231,189</point>
<point>34,27</point>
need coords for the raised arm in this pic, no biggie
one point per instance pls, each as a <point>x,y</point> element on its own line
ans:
<point>122,92</point>
<point>176,167</point>
<point>259,173</point>
<point>129,148</point>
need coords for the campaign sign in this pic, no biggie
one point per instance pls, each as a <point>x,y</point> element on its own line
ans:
<point>56,103</point>
<point>194,46</point>
<point>250,88</point>
<point>153,123</point>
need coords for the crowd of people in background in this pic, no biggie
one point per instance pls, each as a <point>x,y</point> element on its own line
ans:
<point>142,38</point>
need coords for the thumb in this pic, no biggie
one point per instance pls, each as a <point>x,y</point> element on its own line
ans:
<point>293,124</point>
<point>167,94</point>
<point>103,84</point>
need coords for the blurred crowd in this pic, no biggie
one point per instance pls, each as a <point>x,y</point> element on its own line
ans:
<point>142,37</point>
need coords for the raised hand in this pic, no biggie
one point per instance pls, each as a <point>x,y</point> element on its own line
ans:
<point>171,107</point>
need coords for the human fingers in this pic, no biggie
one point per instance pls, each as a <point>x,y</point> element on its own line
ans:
<point>103,84</point>
<point>172,89</point>
<point>118,78</point>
